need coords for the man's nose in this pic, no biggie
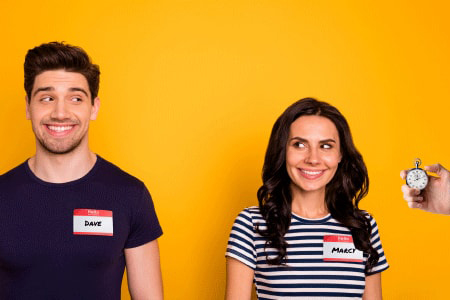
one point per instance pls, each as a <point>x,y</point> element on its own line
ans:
<point>59,110</point>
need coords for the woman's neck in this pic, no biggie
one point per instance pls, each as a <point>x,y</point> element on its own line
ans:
<point>309,204</point>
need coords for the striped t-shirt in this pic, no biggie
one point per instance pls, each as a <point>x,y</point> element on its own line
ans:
<point>322,262</point>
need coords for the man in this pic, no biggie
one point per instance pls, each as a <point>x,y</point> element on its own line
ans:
<point>71,221</point>
<point>435,197</point>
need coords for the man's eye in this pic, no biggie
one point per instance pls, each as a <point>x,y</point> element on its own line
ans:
<point>77,99</point>
<point>46,99</point>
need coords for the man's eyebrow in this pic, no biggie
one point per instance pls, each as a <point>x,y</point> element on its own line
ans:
<point>43,89</point>
<point>50,88</point>
<point>77,89</point>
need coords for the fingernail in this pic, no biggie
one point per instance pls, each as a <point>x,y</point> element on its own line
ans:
<point>420,198</point>
<point>416,192</point>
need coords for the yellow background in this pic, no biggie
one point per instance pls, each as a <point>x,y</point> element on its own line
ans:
<point>191,89</point>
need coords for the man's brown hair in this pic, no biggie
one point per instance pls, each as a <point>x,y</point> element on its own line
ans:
<point>56,56</point>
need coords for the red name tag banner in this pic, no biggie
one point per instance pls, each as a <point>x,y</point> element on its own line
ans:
<point>340,248</point>
<point>88,221</point>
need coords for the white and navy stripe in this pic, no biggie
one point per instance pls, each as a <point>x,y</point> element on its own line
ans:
<point>306,274</point>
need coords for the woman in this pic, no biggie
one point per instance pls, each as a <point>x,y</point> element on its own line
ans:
<point>308,238</point>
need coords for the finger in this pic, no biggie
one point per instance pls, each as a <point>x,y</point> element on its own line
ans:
<point>403,174</point>
<point>417,199</point>
<point>411,196</point>
<point>436,168</point>
<point>415,205</point>
<point>410,192</point>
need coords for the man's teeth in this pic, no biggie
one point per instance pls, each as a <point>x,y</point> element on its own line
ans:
<point>59,128</point>
<point>312,172</point>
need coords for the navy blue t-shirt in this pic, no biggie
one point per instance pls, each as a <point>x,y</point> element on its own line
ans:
<point>42,258</point>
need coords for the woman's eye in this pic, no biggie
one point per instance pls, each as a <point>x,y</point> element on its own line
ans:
<point>299,145</point>
<point>327,146</point>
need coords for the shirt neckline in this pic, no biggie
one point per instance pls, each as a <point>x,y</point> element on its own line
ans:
<point>312,221</point>
<point>63,184</point>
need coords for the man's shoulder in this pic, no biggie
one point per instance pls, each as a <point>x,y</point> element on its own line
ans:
<point>113,174</point>
<point>16,173</point>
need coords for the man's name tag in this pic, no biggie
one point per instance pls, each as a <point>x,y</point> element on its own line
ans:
<point>340,248</point>
<point>93,222</point>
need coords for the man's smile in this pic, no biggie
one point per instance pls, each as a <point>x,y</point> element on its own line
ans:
<point>59,129</point>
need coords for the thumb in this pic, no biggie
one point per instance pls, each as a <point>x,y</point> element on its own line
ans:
<point>403,174</point>
<point>436,168</point>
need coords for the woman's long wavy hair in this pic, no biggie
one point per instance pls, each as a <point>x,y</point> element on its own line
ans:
<point>342,195</point>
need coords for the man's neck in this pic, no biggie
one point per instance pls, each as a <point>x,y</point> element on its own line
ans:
<point>60,168</point>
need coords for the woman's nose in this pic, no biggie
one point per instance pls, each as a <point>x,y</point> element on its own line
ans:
<point>312,156</point>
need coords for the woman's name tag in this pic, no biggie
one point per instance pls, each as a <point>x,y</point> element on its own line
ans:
<point>340,248</point>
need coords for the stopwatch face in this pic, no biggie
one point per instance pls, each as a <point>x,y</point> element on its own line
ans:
<point>417,179</point>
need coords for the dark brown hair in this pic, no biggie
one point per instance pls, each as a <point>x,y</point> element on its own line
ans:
<point>56,56</point>
<point>343,193</point>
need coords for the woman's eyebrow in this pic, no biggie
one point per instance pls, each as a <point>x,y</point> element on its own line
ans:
<point>298,139</point>
<point>328,141</point>
<point>305,140</point>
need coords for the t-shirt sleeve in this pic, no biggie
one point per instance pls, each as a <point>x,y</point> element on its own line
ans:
<point>144,222</point>
<point>376,244</point>
<point>241,244</point>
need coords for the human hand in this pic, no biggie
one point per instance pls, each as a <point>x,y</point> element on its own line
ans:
<point>435,197</point>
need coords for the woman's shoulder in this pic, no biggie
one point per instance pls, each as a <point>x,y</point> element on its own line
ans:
<point>251,211</point>
<point>369,217</point>
<point>252,214</point>
<point>372,221</point>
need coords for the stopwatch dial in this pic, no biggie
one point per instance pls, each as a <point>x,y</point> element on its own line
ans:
<point>417,179</point>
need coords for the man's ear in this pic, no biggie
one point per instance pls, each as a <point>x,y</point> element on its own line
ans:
<point>95,108</point>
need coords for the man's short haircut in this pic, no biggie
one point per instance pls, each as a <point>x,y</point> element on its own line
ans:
<point>57,56</point>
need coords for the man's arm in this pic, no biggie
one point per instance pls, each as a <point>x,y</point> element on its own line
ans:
<point>144,272</point>
<point>435,197</point>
